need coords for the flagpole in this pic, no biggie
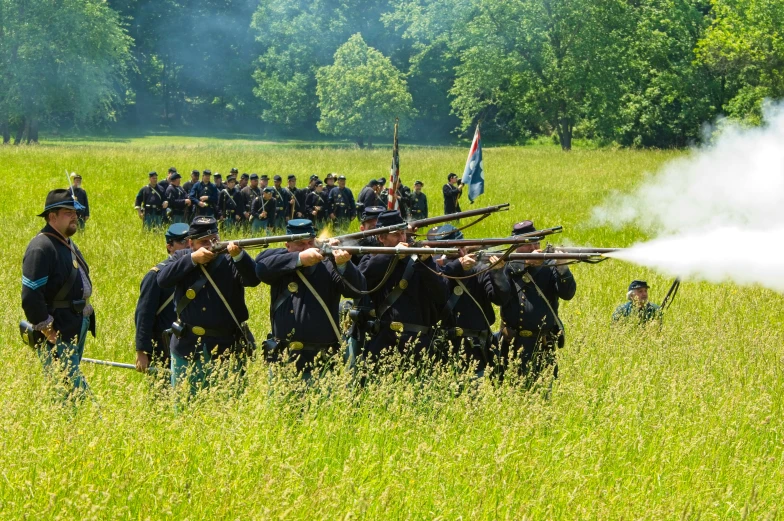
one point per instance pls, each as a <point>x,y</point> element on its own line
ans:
<point>395,173</point>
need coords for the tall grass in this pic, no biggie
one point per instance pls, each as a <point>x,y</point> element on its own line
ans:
<point>683,421</point>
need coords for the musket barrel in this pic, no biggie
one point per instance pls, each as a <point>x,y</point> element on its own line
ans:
<point>555,256</point>
<point>421,223</point>
<point>569,249</point>
<point>369,233</point>
<point>261,241</point>
<point>362,250</point>
<point>460,243</point>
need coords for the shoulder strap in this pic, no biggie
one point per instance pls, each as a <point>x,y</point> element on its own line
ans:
<point>465,290</point>
<point>323,304</point>
<point>193,290</point>
<point>547,301</point>
<point>66,287</point>
<point>395,293</point>
<point>225,303</point>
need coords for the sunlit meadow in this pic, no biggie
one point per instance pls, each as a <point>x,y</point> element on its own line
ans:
<point>681,422</point>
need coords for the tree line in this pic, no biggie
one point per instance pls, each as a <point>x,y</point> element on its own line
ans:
<point>640,73</point>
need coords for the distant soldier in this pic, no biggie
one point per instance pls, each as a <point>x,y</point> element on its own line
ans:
<point>453,189</point>
<point>341,201</point>
<point>417,202</point>
<point>187,186</point>
<point>263,181</point>
<point>468,316</point>
<point>383,192</point>
<point>217,179</point>
<point>244,178</point>
<point>81,197</point>
<point>262,212</point>
<point>282,198</point>
<point>155,308</point>
<point>56,291</point>
<point>164,185</point>
<point>250,193</point>
<point>530,326</point>
<point>317,205</point>
<point>329,183</point>
<point>368,196</point>
<point>305,296</point>
<point>151,203</point>
<point>209,295</point>
<point>231,205</point>
<point>405,305</point>
<point>204,196</point>
<point>298,198</point>
<point>638,307</point>
<point>179,202</point>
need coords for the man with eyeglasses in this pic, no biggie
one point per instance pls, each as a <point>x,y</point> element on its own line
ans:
<point>155,307</point>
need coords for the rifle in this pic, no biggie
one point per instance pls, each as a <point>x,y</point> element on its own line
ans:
<point>460,243</point>
<point>221,246</point>
<point>362,250</point>
<point>483,212</point>
<point>590,257</point>
<point>568,249</point>
<point>370,233</point>
<point>670,297</point>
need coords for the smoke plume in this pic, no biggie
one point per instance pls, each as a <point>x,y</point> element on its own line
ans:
<point>718,212</point>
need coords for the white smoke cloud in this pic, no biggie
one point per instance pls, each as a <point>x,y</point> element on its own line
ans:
<point>718,212</point>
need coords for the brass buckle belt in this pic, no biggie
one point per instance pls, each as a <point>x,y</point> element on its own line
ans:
<point>309,346</point>
<point>402,327</point>
<point>205,332</point>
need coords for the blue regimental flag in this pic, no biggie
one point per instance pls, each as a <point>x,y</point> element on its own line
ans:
<point>474,174</point>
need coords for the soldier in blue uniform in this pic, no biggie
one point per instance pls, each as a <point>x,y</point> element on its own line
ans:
<point>244,178</point>
<point>341,201</point>
<point>217,180</point>
<point>405,307</point>
<point>56,291</point>
<point>189,184</point>
<point>317,206</point>
<point>231,205</point>
<point>209,297</point>
<point>305,295</point>
<point>155,308</point>
<point>151,202</point>
<point>368,196</point>
<point>282,198</point>
<point>329,183</point>
<point>452,190</point>
<point>638,307</point>
<point>530,326</point>
<point>417,202</point>
<point>177,197</point>
<point>262,212</point>
<point>468,316</point>
<point>298,198</point>
<point>250,193</point>
<point>204,196</point>
<point>81,196</point>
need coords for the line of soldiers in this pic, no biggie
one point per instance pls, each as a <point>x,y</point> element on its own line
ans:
<point>192,310</point>
<point>251,203</point>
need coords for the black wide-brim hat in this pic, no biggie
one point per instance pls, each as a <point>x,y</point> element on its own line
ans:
<point>60,198</point>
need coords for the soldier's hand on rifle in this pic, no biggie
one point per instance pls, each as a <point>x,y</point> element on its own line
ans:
<point>314,213</point>
<point>202,256</point>
<point>237,217</point>
<point>247,215</point>
<point>468,261</point>
<point>341,256</point>
<point>188,202</point>
<point>310,257</point>
<point>263,215</point>
<point>204,197</point>
<point>234,249</point>
<point>534,262</point>
<point>202,204</point>
<point>495,259</point>
<point>142,361</point>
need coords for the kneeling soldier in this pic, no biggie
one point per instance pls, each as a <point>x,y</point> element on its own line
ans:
<point>155,307</point>
<point>56,290</point>
<point>468,316</point>
<point>305,296</point>
<point>209,292</point>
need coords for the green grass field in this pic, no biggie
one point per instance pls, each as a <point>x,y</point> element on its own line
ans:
<point>684,422</point>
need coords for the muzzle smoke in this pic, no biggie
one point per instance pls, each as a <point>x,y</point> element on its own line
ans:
<point>718,212</point>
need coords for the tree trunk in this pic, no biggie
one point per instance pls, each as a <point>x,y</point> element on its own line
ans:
<point>32,134</point>
<point>565,133</point>
<point>370,142</point>
<point>360,142</point>
<point>21,131</point>
<point>6,131</point>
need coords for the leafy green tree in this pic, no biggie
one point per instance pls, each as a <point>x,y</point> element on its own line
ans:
<point>744,49</point>
<point>361,93</point>
<point>60,59</point>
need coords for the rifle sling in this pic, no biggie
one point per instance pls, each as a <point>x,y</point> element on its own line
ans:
<point>397,291</point>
